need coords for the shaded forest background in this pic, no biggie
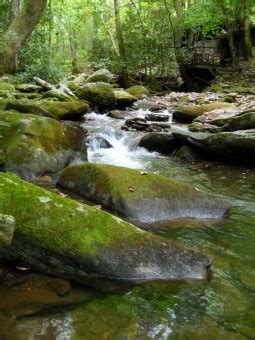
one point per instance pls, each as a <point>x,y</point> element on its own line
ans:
<point>134,38</point>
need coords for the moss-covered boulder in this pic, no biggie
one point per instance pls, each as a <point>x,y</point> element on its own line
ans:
<point>100,95</point>
<point>27,88</point>
<point>66,238</point>
<point>33,145</point>
<point>7,87</point>
<point>238,146</point>
<point>101,75</point>
<point>139,197</point>
<point>57,94</point>
<point>188,113</point>
<point>7,227</point>
<point>71,110</point>
<point>138,91</point>
<point>244,121</point>
<point>124,99</point>
<point>218,117</point>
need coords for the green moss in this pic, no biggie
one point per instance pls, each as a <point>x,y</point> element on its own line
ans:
<point>102,75</point>
<point>123,98</point>
<point>138,91</point>
<point>7,87</point>
<point>59,224</point>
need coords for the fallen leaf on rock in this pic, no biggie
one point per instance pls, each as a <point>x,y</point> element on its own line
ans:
<point>131,189</point>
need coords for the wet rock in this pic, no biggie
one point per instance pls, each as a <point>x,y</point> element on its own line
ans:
<point>138,91</point>
<point>153,198</point>
<point>135,124</point>
<point>146,104</point>
<point>7,227</point>
<point>188,113</point>
<point>101,75</point>
<point>98,142</point>
<point>164,143</point>
<point>100,95</point>
<point>66,238</point>
<point>203,127</point>
<point>157,117</point>
<point>117,114</point>
<point>236,146</point>
<point>187,153</point>
<point>27,88</point>
<point>44,84</point>
<point>124,99</point>
<point>71,110</point>
<point>34,145</point>
<point>243,121</point>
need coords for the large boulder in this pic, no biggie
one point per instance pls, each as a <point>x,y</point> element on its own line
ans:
<point>101,75</point>
<point>123,99</point>
<point>218,117</point>
<point>27,88</point>
<point>7,227</point>
<point>188,113</point>
<point>100,95</point>
<point>243,121</point>
<point>141,198</point>
<point>164,143</point>
<point>138,91</point>
<point>71,110</point>
<point>63,237</point>
<point>7,87</point>
<point>57,94</point>
<point>33,145</point>
<point>236,146</point>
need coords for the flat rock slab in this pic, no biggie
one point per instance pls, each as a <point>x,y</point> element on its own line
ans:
<point>63,237</point>
<point>140,197</point>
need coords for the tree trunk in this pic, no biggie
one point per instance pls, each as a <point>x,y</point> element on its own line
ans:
<point>122,49</point>
<point>14,9</point>
<point>18,32</point>
<point>247,31</point>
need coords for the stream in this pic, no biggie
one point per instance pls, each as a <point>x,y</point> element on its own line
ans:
<point>223,308</point>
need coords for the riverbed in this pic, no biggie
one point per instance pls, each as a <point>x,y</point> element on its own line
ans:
<point>223,308</point>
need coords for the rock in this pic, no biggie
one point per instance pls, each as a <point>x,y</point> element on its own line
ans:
<point>124,99</point>
<point>31,293</point>
<point>243,121</point>
<point>101,75</point>
<point>138,91</point>
<point>117,114</point>
<point>153,117</point>
<point>135,124</point>
<point>146,104</point>
<point>65,238</point>
<point>98,142</point>
<point>46,86</point>
<point>187,153</point>
<point>7,227</point>
<point>56,93</point>
<point>164,143</point>
<point>218,117</point>
<point>188,113</point>
<point>236,146</point>
<point>35,145</point>
<point>71,110</point>
<point>154,197</point>
<point>100,95</point>
<point>7,87</point>
<point>27,88</point>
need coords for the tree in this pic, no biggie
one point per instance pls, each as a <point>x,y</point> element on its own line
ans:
<point>122,48</point>
<point>247,30</point>
<point>20,29</point>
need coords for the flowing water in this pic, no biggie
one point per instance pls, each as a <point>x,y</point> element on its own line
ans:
<point>223,308</point>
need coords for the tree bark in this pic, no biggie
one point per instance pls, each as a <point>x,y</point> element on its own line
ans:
<point>14,9</point>
<point>121,42</point>
<point>18,32</point>
<point>247,31</point>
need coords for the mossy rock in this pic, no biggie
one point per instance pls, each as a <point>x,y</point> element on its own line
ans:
<point>28,88</point>
<point>237,146</point>
<point>63,237</point>
<point>100,95</point>
<point>138,91</point>
<point>101,75</point>
<point>140,198</point>
<point>7,87</point>
<point>188,113</point>
<point>57,94</point>
<point>33,145</point>
<point>124,99</point>
<point>71,110</point>
<point>159,142</point>
<point>243,121</point>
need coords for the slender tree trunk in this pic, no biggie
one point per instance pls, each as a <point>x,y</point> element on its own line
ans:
<point>18,32</point>
<point>247,31</point>
<point>121,42</point>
